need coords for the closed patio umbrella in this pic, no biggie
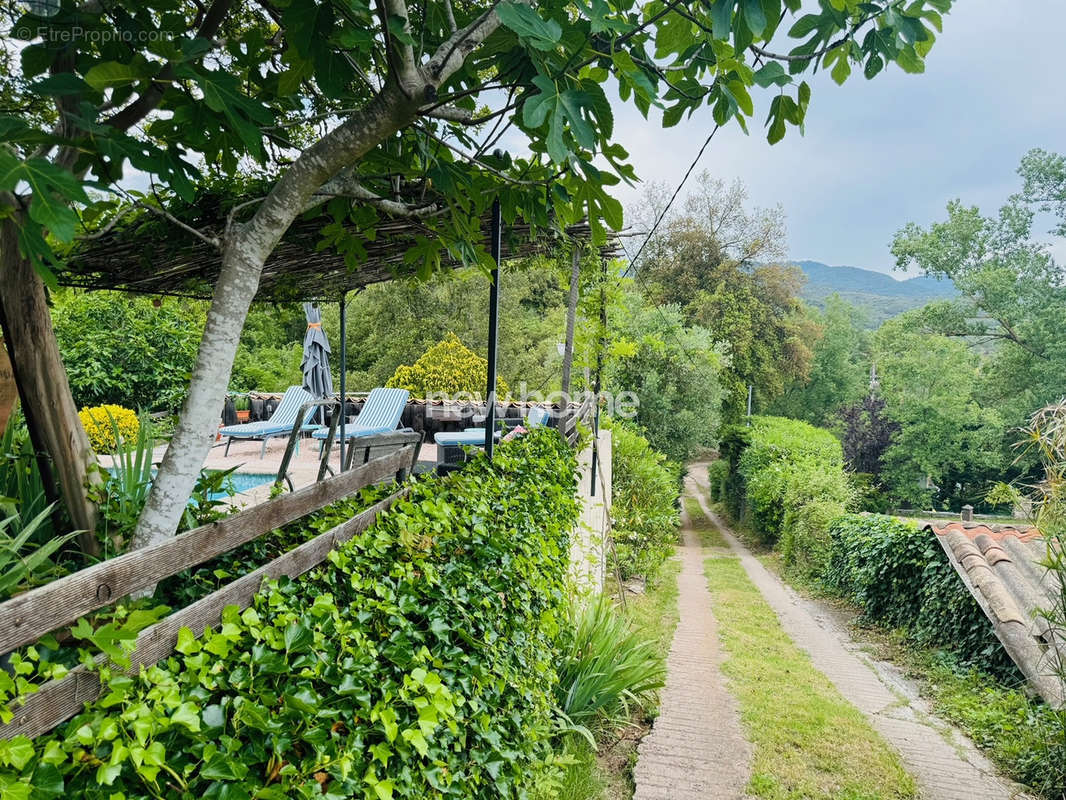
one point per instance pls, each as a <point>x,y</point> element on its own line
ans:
<point>315,365</point>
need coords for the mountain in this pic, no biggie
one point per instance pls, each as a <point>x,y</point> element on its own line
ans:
<point>880,295</point>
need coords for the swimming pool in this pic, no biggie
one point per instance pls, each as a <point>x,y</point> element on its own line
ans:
<point>240,481</point>
<point>244,482</point>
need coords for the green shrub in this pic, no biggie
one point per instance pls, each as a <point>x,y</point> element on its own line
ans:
<point>645,487</point>
<point>717,476</point>
<point>448,367</point>
<point>109,427</point>
<point>127,350</point>
<point>24,564</point>
<point>22,494</point>
<point>418,662</point>
<point>606,666</point>
<point>900,577</point>
<point>786,480</point>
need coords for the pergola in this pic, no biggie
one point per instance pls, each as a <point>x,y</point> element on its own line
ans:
<point>136,258</point>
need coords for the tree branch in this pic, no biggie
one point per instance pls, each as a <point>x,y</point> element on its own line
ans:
<point>405,65</point>
<point>448,113</point>
<point>450,14</point>
<point>149,99</point>
<point>349,186</point>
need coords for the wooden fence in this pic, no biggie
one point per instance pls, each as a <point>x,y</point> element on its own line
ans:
<point>27,617</point>
<point>570,417</point>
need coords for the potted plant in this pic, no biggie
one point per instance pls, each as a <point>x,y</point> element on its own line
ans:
<point>243,407</point>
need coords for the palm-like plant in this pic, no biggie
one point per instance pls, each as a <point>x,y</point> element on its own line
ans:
<point>21,563</point>
<point>607,669</point>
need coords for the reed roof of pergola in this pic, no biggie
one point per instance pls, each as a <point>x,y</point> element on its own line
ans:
<point>156,257</point>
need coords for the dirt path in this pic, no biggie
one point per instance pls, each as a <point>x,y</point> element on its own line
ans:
<point>696,749</point>
<point>946,765</point>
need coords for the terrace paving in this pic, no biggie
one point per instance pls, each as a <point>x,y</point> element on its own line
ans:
<point>303,469</point>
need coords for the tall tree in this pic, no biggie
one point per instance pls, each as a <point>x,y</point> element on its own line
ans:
<point>358,109</point>
<point>947,437</point>
<point>1013,299</point>
<point>839,365</point>
<point>709,258</point>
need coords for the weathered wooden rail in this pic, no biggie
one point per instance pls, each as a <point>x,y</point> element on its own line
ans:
<point>27,617</point>
<point>569,419</point>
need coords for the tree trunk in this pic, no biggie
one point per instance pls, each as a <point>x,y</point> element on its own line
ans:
<point>245,251</point>
<point>51,417</point>
<point>571,315</point>
<point>8,392</point>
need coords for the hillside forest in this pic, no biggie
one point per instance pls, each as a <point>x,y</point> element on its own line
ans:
<point>926,381</point>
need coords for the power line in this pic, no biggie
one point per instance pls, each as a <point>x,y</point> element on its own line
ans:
<point>633,260</point>
<point>670,202</point>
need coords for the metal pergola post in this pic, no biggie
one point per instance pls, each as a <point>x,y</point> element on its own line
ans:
<point>343,375</point>
<point>596,385</point>
<point>494,326</point>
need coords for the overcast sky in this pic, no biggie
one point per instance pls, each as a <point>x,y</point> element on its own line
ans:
<point>877,154</point>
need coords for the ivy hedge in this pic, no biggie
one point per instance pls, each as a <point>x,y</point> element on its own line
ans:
<point>419,662</point>
<point>785,479</point>
<point>645,516</point>
<point>900,577</point>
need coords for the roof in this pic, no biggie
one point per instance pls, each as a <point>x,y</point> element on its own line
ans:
<point>1001,566</point>
<point>151,256</point>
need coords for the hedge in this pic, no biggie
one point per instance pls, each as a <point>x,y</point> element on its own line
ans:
<point>900,577</point>
<point>645,516</point>
<point>786,481</point>
<point>417,663</point>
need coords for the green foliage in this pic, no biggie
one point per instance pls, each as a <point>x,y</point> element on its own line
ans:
<point>447,368</point>
<point>838,368</point>
<point>269,368</point>
<point>607,668</point>
<point>557,57</point>
<point>900,577</point>
<point>395,323</point>
<point>672,368</point>
<point>22,563</point>
<point>126,350</point>
<point>644,494</point>
<point>948,432</point>
<point>125,486</point>
<point>1022,736</point>
<point>787,481</point>
<point>418,662</point>
<point>717,477</point>
<point>22,494</point>
<point>715,262</point>
<point>124,490</point>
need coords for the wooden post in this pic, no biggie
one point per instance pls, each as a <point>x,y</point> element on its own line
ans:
<point>8,391</point>
<point>494,326</point>
<point>571,315</point>
<point>51,417</point>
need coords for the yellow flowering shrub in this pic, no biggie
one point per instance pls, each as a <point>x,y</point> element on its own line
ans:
<point>98,426</point>
<point>448,367</point>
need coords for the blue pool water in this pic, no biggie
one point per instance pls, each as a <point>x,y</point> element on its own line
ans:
<point>240,481</point>
<point>245,482</point>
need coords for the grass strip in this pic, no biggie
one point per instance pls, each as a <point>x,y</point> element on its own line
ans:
<point>708,532</point>
<point>809,742</point>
